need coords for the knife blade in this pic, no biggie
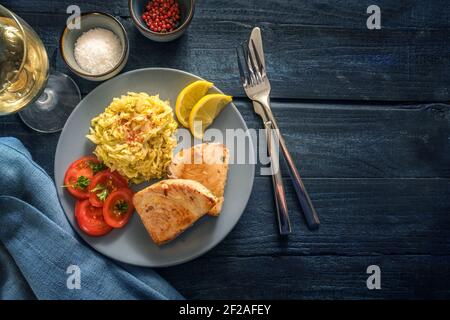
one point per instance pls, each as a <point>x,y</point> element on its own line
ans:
<point>255,36</point>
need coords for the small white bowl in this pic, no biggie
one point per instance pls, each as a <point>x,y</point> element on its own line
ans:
<point>89,21</point>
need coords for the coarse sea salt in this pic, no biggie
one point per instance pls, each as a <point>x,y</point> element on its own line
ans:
<point>98,51</point>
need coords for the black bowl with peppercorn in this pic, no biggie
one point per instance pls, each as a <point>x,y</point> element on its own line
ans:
<point>162,20</point>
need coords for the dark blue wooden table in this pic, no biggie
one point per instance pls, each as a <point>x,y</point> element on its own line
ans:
<point>364,113</point>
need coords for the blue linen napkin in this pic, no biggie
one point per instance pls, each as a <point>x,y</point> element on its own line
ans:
<point>37,244</point>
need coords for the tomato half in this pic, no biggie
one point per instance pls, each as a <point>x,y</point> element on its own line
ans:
<point>90,219</point>
<point>118,208</point>
<point>102,185</point>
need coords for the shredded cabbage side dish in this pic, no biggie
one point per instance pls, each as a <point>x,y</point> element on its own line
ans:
<point>135,136</point>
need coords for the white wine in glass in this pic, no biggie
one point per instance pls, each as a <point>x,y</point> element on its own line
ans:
<point>45,99</point>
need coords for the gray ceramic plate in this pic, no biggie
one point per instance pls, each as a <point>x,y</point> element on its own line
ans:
<point>132,244</point>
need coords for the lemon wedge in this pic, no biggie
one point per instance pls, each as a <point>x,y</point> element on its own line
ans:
<point>205,111</point>
<point>188,97</point>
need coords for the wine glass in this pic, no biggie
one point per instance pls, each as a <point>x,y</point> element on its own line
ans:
<point>43,97</point>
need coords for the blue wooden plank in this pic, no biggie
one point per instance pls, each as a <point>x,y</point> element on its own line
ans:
<point>352,140</point>
<point>339,140</point>
<point>358,217</point>
<point>337,13</point>
<point>316,277</point>
<point>316,53</point>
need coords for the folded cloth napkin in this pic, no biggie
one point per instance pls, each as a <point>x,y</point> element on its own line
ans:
<point>38,246</point>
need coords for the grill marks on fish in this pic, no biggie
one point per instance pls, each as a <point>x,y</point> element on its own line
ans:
<point>169,207</point>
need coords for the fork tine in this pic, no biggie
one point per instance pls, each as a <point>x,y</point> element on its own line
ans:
<point>258,60</point>
<point>241,69</point>
<point>249,67</point>
<point>253,70</point>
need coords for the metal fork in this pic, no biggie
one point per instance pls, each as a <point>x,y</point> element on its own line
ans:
<point>257,87</point>
<point>284,223</point>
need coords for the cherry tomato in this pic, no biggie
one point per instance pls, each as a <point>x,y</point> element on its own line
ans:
<point>102,185</point>
<point>90,219</point>
<point>118,208</point>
